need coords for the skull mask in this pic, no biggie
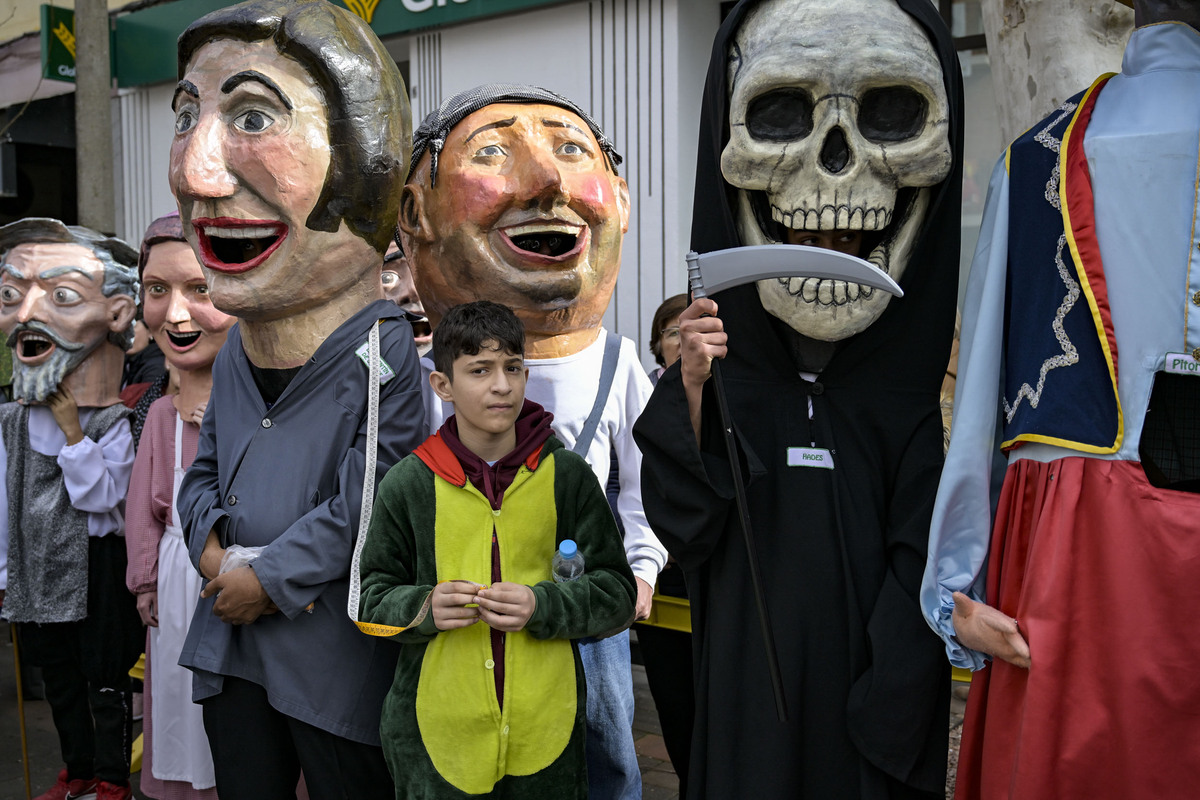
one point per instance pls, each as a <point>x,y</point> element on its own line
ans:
<point>838,121</point>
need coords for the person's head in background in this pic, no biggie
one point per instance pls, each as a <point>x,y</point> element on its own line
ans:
<point>664,331</point>
<point>398,286</point>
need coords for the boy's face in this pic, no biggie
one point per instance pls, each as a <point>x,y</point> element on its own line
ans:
<point>487,390</point>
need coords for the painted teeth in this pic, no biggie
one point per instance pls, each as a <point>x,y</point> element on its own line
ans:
<point>833,218</point>
<point>33,337</point>
<point>535,228</point>
<point>252,232</point>
<point>825,292</point>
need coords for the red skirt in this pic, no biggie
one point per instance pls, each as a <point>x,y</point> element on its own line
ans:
<point>1102,572</point>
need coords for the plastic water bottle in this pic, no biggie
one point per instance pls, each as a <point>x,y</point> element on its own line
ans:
<point>568,562</point>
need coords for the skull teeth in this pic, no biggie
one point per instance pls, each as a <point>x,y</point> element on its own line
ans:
<point>825,292</point>
<point>831,218</point>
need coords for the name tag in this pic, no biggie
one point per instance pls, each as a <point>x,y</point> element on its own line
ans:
<point>1182,364</point>
<point>809,457</point>
<point>386,373</point>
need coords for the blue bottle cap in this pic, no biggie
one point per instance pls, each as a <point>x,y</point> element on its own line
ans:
<point>567,548</point>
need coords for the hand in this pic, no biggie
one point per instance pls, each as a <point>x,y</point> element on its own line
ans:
<point>210,559</point>
<point>989,630</point>
<point>240,597</point>
<point>506,606</point>
<point>645,598</point>
<point>449,605</point>
<point>147,606</point>
<point>66,413</point>
<point>702,338</point>
<point>197,414</point>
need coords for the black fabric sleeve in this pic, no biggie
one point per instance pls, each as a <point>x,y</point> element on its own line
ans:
<point>687,489</point>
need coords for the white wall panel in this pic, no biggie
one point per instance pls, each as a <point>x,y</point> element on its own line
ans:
<point>147,127</point>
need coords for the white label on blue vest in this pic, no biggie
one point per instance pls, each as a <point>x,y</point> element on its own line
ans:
<point>809,457</point>
<point>386,373</point>
<point>1182,364</point>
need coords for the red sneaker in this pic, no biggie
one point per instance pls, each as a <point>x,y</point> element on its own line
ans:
<point>64,789</point>
<point>110,791</point>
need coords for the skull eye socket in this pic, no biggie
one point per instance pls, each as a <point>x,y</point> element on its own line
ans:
<point>891,114</point>
<point>781,115</point>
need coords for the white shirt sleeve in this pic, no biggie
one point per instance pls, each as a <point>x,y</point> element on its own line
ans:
<point>645,553</point>
<point>96,474</point>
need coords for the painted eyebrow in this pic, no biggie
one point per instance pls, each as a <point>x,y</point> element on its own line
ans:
<point>55,272</point>
<point>554,123</point>
<point>12,272</point>
<point>504,123</point>
<point>187,87</point>
<point>234,81</point>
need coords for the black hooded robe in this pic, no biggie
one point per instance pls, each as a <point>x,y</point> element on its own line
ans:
<point>841,551</point>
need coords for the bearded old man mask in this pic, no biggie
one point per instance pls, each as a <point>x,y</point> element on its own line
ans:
<point>67,303</point>
<point>513,195</point>
<point>838,122</point>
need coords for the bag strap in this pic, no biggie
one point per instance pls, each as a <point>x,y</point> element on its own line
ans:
<point>608,369</point>
<point>368,491</point>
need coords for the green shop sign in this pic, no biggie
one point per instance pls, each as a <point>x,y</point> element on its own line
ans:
<point>145,39</point>
<point>58,43</point>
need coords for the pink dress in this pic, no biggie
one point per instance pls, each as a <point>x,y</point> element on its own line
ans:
<point>176,763</point>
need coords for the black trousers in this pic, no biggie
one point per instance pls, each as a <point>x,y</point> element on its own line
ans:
<point>85,666</point>
<point>258,752</point>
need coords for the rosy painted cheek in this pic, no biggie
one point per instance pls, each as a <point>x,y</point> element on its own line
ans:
<point>154,314</point>
<point>479,200</point>
<point>592,191</point>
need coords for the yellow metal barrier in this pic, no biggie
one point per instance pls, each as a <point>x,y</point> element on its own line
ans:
<point>672,613</point>
<point>137,671</point>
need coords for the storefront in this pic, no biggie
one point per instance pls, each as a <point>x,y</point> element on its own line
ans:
<point>637,65</point>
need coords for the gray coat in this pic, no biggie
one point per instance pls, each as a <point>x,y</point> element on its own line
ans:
<point>290,478</point>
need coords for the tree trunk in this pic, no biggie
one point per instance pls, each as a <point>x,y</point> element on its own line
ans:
<point>1044,51</point>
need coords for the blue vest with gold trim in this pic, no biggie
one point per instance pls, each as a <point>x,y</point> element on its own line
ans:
<point>1059,347</point>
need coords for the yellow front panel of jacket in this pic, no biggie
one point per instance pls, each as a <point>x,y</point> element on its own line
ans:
<point>471,742</point>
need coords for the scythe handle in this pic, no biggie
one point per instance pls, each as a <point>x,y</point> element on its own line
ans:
<point>696,284</point>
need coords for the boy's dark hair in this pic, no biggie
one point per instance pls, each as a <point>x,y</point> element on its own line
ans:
<point>466,327</point>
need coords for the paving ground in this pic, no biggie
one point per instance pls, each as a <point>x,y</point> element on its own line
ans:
<point>658,778</point>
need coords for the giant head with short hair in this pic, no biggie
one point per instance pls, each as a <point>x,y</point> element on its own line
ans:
<point>67,301</point>
<point>513,195</point>
<point>292,130</point>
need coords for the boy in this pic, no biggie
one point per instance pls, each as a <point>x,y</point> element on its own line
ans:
<point>463,533</point>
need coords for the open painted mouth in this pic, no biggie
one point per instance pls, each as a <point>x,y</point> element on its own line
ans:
<point>877,245</point>
<point>233,246</point>
<point>182,341</point>
<point>546,241</point>
<point>33,348</point>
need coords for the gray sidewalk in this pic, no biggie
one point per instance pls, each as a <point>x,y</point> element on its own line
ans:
<point>658,778</point>
<point>44,759</point>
